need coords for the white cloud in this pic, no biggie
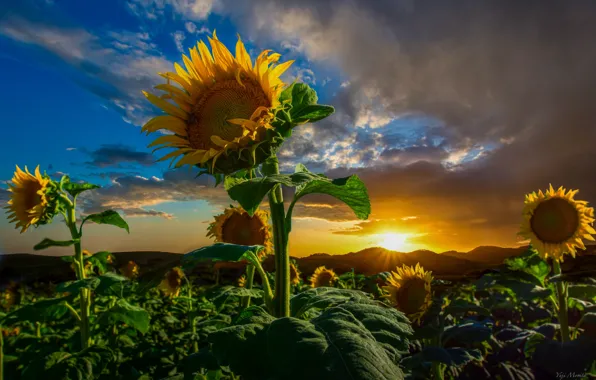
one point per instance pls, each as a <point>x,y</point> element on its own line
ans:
<point>190,9</point>
<point>191,27</point>
<point>179,38</point>
<point>70,149</point>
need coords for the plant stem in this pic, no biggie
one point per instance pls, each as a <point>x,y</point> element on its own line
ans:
<point>73,312</point>
<point>266,287</point>
<point>562,294</point>
<point>84,294</point>
<point>250,275</point>
<point>1,355</point>
<point>282,257</point>
<point>437,370</point>
<point>191,316</point>
<point>38,329</point>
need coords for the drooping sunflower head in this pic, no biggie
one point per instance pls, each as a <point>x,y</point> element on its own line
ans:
<point>294,274</point>
<point>556,223</point>
<point>172,283</point>
<point>222,110</point>
<point>130,270</point>
<point>236,226</point>
<point>409,291</point>
<point>33,199</point>
<point>9,298</point>
<point>323,277</point>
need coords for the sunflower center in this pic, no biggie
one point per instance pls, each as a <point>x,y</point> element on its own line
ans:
<point>324,279</point>
<point>411,296</point>
<point>243,230</point>
<point>31,198</point>
<point>555,220</point>
<point>224,101</point>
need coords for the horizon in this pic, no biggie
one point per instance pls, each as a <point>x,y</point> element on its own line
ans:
<point>447,156</point>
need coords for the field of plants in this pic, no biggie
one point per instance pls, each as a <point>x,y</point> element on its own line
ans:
<point>230,117</point>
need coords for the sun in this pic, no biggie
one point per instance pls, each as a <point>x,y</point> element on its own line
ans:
<point>393,241</point>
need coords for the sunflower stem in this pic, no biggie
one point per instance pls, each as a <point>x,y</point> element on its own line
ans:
<point>84,294</point>
<point>437,370</point>
<point>250,275</point>
<point>266,287</point>
<point>282,258</point>
<point>1,354</point>
<point>562,294</point>
<point>191,316</point>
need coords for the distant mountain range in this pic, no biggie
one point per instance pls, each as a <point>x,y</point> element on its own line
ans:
<point>446,265</point>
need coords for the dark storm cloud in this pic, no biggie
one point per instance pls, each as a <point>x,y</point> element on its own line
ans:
<point>112,155</point>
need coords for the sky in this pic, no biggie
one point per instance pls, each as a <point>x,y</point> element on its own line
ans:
<point>449,111</point>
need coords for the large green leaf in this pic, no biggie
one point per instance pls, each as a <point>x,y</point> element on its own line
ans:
<point>47,243</point>
<point>311,113</point>
<point>531,263</point>
<point>459,307</point>
<point>108,217</point>
<point>75,189</point>
<point>554,357</point>
<point>250,192</point>
<point>84,365</point>
<point>350,341</point>
<point>299,96</point>
<point>314,301</point>
<point>74,286</point>
<point>514,286</point>
<point>350,190</point>
<point>110,284</point>
<point>218,252</point>
<point>134,316</point>
<point>587,277</point>
<point>45,310</point>
<point>466,333</point>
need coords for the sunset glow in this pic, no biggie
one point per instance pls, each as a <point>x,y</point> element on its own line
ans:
<point>393,241</point>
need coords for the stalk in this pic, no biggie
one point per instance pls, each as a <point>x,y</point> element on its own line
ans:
<point>38,329</point>
<point>250,275</point>
<point>437,371</point>
<point>84,294</point>
<point>562,295</point>
<point>1,355</point>
<point>191,316</point>
<point>282,257</point>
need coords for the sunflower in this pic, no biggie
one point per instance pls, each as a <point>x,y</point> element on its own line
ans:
<point>409,291</point>
<point>172,283</point>
<point>323,277</point>
<point>242,281</point>
<point>32,201</point>
<point>294,274</point>
<point>224,104</point>
<point>9,298</point>
<point>235,226</point>
<point>556,223</point>
<point>88,267</point>
<point>6,332</point>
<point>130,270</point>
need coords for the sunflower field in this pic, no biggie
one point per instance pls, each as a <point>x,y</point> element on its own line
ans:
<point>229,117</point>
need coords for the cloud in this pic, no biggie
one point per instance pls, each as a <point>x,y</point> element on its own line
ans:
<point>71,149</point>
<point>179,38</point>
<point>115,65</point>
<point>112,155</point>
<point>191,27</point>
<point>191,9</point>
<point>135,195</point>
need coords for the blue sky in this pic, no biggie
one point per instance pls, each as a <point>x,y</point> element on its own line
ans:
<point>430,124</point>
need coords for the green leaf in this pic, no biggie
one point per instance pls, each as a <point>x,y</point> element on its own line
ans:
<point>218,252</point>
<point>587,277</point>
<point>350,341</point>
<point>250,193</point>
<point>47,243</point>
<point>350,190</point>
<point>100,260</point>
<point>108,217</point>
<point>110,284</point>
<point>554,357</point>
<point>452,357</point>
<point>520,289</point>
<point>86,364</point>
<point>301,96</point>
<point>75,189</point>
<point>459,307</point>
<point>583,292</point>
<point>134,316</point>
<point>45,310</point>
<point>311,113</point>
<point>466,333</point>
<point>314,301</point>
<point>74,286</point>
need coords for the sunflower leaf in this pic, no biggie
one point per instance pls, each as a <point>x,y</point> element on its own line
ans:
<point>218,252</point>
<point>47,243</point>
<point>312,113</point>
<point>108,217</point>
<point>45,310</point>
<point>75,189</point>
<point>453,357</point>
<point>349,341</point>
<point>85,364</point>
<point>134,316</point>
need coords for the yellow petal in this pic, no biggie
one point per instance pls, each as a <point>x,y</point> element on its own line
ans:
<point>178,79</point>
<point>278,70</point>
<point>242,55</point>
<point>170,123</point>
<point>170,140</point>
<point>222,55</point>
<point>174,90</point>
<point>167,107</point>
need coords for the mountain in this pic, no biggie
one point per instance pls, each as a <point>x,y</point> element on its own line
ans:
<point>445,265</point>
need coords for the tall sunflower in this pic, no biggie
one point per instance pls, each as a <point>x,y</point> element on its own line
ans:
<point>224,104</point>
<point>409,291</point>
<point>172,283</point>
<point>323,277</point>
<point>235,226</point>
<point>32,200</point>
<point>556,223</point>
